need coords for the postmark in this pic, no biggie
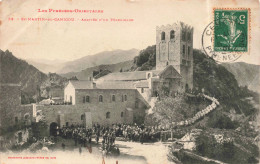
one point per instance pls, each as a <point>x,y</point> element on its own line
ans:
<point>227,45</point>
<point>231,30</point>
<point>208,47</point>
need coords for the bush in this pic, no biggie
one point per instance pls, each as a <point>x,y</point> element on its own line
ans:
<point>221,121</point>
<point>206,145</point>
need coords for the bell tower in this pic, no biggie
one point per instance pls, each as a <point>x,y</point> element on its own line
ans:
<point>174,46</point>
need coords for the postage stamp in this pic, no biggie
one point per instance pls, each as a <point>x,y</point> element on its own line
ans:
<point>231,27</point>
<point>227,37</point>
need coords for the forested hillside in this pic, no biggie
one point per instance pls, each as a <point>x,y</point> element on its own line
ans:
<point>33,82</point>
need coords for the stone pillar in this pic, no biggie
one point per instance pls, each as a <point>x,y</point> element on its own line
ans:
<point>61,120</point>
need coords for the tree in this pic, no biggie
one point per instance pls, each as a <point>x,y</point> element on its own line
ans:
<point>168,110</point>
<point>146,58</point>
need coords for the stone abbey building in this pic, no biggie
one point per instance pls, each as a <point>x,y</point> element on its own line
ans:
<point>119,97</point>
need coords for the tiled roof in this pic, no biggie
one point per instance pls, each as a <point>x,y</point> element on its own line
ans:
<point>82,84</point>
<point>156,72</point>
<point>124,76</point>
<point>174,73</point>
<point>142,84</point>
<point>115,85</point>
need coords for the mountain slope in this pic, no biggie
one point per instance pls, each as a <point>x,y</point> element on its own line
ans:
<point>84,74</point>
<point>15,70</point>
<point>33,82</point>
<point>104,58</point>
<point>46,66</point>
<point>245,74</point>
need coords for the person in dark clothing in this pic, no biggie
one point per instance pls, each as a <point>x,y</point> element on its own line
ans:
<point>80,150</point>
<point>63,146</point>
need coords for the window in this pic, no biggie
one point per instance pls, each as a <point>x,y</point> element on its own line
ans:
<point>172,34</point>
<point>100,98</point>
<point>67,124</point>
<point>189,36</point>
<point>82,117</point>
<point>87,99</point>
<point>26,116</point>
<point>84,99</point>
<point>108,115</point>
<point>113,98</point>
<point>125,97</point>
<point>183,50</point>
<point>167,63</point>
<point>188,52</point>
<point>122,98</point>
<point>142,90</point>
<point>122,114</point>
<point>183,36</point>
<point>163,36</point>
<point>70,99</point>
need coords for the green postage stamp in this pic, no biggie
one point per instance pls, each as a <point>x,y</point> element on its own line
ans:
<point>231,30</point>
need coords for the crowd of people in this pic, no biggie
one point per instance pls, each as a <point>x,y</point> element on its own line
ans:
<point>83,136</point>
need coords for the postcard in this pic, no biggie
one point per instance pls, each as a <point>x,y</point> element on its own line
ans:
<point>129,81</point>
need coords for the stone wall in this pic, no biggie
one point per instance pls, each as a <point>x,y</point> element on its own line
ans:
<point>75,114</point>
<point>168,50</point>
<point>187,56</point>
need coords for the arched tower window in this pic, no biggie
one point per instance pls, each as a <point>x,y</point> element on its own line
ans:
<point>125,97</point>
<point>189,36</point>
<point>108,115</point>
<point>188,52</point>
<point>167,63</point>
<point>172,34</point>
<point>100,98</point>
<point>122,114</point>
<point>183,35</point>
<point>163,35</point>
<point>183,51</point>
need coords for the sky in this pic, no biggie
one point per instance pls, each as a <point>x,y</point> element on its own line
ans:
<point>70,40</point>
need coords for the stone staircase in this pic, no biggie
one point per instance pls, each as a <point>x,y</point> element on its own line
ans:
<point>199,114</point>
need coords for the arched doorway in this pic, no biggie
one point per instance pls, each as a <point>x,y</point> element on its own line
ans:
<point>83,119</point>
<point>53,129</point>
